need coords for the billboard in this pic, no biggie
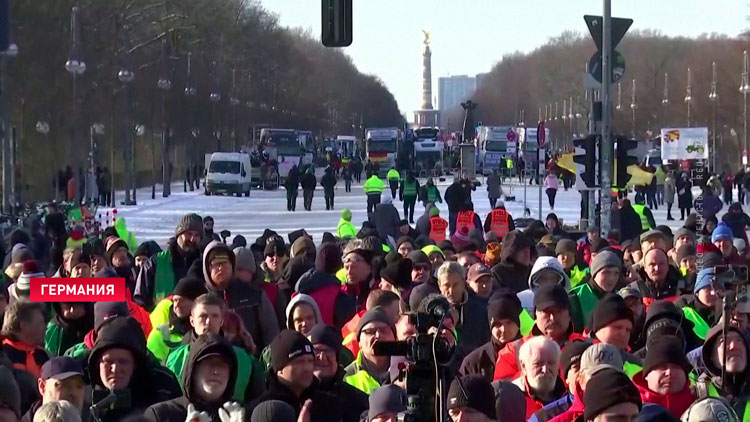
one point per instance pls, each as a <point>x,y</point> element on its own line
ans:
<point>687,143</point>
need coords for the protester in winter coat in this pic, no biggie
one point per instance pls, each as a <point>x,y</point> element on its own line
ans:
<point>61,379</point>
<point>664,378</point>
<point>386,219</point>
<point>711,204</point>
<point>69,325</point>
<point>606,270</point>
<point>291,184</point>
<point>455,195</point>
<point>328,181</point>
<point>658,279</point>
<point>669,192</point>
<point>737,220</point>
<point>471,398</point>
<point>345,228</point>
<point>702,307</point>
<point>551,184</point>
<point>545,271</point>
<point>370,370</point>
<point>539,360</point>
<point>552,223</point>
<point>565,250</point>
<point>722,239</point>
<point>736,388</point>
<point>208,381</point>
<point>119,360</point>
<point>471,311</point>
<point>157,280</point>
<point>408,191</point>
<point>23,336</point>
<point>250,304</point>
<point>429,193</point>
<point>515,262</point>
<point>308,183</point>
<point>494,188</point>
<point>684,195</point>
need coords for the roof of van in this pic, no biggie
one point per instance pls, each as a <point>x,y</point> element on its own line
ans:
<point>229,156</point>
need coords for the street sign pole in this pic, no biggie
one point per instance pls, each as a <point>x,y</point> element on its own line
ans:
<point>606,145</point>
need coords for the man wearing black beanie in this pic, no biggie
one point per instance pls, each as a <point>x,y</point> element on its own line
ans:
<point>503,311</point>
<point>610,392</point>
<point>664,378</point>
<point>471,398</point>
<point>612,323</point>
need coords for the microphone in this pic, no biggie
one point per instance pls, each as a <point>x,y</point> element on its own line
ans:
<point>438,306</point>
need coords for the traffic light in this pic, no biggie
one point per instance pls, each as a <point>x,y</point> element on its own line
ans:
<point>587,156</point>
<point>623,160</point>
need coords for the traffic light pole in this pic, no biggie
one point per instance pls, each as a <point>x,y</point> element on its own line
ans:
<point>590,198</point>
<point>606,148</point>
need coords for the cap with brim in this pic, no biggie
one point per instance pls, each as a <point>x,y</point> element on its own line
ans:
<point>61,368</point>
<point>651,234</point>
<point>213,355</point>
<point>627,292</point>
<point>600,356</point>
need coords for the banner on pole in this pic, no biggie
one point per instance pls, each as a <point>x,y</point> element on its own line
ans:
<point>689,143</point>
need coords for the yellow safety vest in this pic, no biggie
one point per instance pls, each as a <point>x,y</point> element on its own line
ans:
<point>358,377</point>
<point>645,225</point>
<point>700,326</point>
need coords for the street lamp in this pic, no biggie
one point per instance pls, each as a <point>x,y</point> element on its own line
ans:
<point>744,89</point>
<point>190,92</point>
<point>95,129</point>
<point>665,98</point>
<point>76,67</point>
<point>164,84</point>
<point>689,96</point>
<point>619,96</point>
<point>126,76</point>
<point>633,106</point>
<point>234,101</point>
<point>215,97</point>
<point>713,96</point>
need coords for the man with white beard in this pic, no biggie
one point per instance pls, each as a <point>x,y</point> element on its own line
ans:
<point>539,359</point>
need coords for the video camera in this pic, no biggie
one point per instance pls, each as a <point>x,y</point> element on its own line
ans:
<point>426,355</point>
<point>734,280</point>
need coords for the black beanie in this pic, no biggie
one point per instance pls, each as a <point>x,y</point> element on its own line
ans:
<point>398,272</point>
<point>473,391</point>
<point>107,310</point>
<point>571,354</point>
<point>665,349</point>
<point>287,346</point>
<point>328,258</point>
<point>610,308</point>
<point>371,316</point>
<point>504,307</point>
<point>327,335</point>
<point>607,388</point>
<point>190,287</point>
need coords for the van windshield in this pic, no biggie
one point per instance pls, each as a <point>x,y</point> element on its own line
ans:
<point>231,167</point>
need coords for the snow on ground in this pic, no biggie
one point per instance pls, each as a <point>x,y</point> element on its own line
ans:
<point>156,219</point>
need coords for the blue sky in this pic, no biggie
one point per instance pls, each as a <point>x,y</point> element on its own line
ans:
<point>469,36</point>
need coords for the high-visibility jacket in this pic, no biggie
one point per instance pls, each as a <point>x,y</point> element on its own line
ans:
<point>346,229</point>
<point>700,326</point>
<point>393,175</point>
<point>438,225</point>
<point>587,301</point>
<point>465,219</point>
<point>578,274</point>
<point>162,340</point>
<point>645,225</point>
<point>499,223</point>
<point>165,278</point>
<point>374,185</point>
<point>357,376</point>
<point>410,188</point>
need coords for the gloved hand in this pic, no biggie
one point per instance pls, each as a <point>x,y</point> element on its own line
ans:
<point>196,416</point>
<point>232,412</point>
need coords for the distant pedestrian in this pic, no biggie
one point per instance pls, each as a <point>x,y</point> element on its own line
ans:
<point>552,184</point>
<point>408,194</point>
<point>494,188</point>
<point>328,181</point>
<point>308,187</point>
<point>393,180</point>
<point>684,195</point>
<point>669,192</point>
<point>292,188</point>
<point>346,174</point>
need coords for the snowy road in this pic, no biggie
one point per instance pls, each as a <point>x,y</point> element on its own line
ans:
<point>156,219</point>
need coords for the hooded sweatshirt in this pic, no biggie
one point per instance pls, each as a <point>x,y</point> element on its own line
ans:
<point>296,300</point>
<point>508,273</point>
<point>737,388</point>
<point>542,263</point>
<point>250,303</point>
<point>63,333</point>
<point>176,409</point>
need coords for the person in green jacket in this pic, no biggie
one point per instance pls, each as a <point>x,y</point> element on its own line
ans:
<point>606,270</point>
<point>207,317</point>
<point>408,193</point>
<point>373,188</point>
<point>429,193</point>
<point>171,317</point>
<point>346,229</point>
<point>124,234</point>
<point>566,255</point>
<point>702,307</point>
<point>69,325</point>
<point>393,179</point>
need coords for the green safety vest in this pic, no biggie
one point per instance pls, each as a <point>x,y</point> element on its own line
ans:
<point>432,194</point>
<point>509,163</point>
<point>630,369</point>
<point>358,377</point>
<point>341,275</point>
<point>346,229</point>
<point>177,359</point>
<point>527,322</point>
<point>577,275</point>
<point>410,188</point>
<point>160,315</point>
<point>165,279</point>
<point>162,340</point>
<point>713,392</point>
<point>393,175</point>
<point>645,225</point>
<point>700,326</point>
<point>588,301</point>
<point>373,185</point>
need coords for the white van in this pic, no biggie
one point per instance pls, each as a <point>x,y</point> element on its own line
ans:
<point>228,172</point>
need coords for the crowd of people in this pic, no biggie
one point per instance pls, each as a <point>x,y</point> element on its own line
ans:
<point>543,326</point>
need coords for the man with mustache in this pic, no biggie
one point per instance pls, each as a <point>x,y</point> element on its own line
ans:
<point>369,371</point>
<point>552,310</point>
<point>736,388</point>
<point>156,281</point>
<point>539,360</point>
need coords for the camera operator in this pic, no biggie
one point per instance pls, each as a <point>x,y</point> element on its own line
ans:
<point>471,399</point>
<point>369,371</point>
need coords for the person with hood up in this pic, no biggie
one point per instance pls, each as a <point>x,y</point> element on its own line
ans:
<point>546,271</point>
<point>171,317</point>
<point>291,184</point>
<point>320,283</point>
<point>606,271</point>
<point>250,304</point>
<point>515,262</point>
<point>552,311</point>
<point>407,193</point>
<point>503,310</point>
<point>308,184</point>
<point>119,361</point>
<point>328,182</point>
<point>69,325</point>
<point>469,310</point>
<point>303,314</point>
<point>157,280</point>
<point>208,317</point>
<point>386,220</point>
<point>326,343</point>
<point>737,220</point>
<point>664,379</point>
<point>345,229</point>
<point>703,306</point>
<point>208,380</point>
<point>291,379</point>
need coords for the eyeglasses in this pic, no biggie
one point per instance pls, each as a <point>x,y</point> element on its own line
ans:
<point>219,264</point>
<point>371,331</point>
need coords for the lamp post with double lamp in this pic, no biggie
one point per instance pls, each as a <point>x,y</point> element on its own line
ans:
<point>665,99</point>
<point>571,116</point>
<point>164,84</point>
<point>190,92</point>
<point>7,143</point>
<point>76,67</point>
<point>234,101</point>
<point>215,97</point>
<point>688,96</point>
<point>126,76</point>
<point>744,90</point>
<point>713,96</point>
<point>97,129</point>
<point>633,106</point>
